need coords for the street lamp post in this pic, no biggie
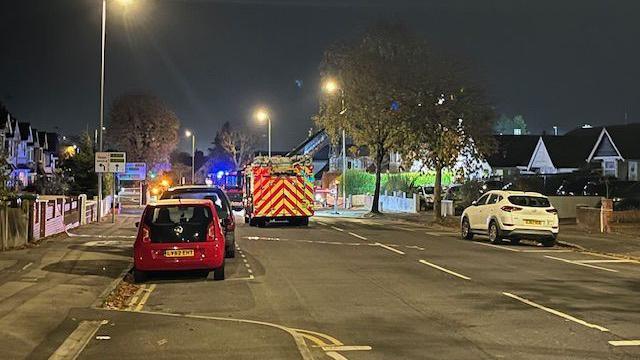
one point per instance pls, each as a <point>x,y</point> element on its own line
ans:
<point>103,38</point>
<point>262,115</point>
<point>193,155</point>
<point>331,86</point>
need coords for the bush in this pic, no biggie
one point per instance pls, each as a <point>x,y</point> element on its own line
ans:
<point>362,182</point>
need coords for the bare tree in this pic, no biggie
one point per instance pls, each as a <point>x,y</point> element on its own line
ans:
<point>238,144</point>
<point>144,127</point>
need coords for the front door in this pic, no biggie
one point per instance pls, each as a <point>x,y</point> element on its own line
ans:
<point>633,171</point>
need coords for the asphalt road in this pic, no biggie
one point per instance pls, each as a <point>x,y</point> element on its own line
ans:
<point>371,289</point>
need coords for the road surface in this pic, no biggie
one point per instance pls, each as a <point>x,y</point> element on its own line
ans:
<point>358,289</point>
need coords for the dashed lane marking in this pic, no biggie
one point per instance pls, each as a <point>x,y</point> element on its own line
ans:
<point>337,228</point>
<point>27,266</point>
<point>507,248</point>
<point>606,261</point>
<point>335,356</point>
<point>389,248</point>
<point>346,348</point>
<point>358,236</point>
<point>496,246</point>
<point>556,312</point>
<point>580,264</point>
<point>625,342</point>
<point>445,270</point>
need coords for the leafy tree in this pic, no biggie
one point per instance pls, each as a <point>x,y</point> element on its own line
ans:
<point>372,76</point>
<point>144,127</point>
<point>79,170</point>
<point>450,122</point>
<point>239,145</point>
<point>56,184</point>
<point>5,172</point>
<point>507,126</point>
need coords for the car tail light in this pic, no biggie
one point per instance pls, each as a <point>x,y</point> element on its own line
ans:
<point>144,231</point>
<point>552,211</point>
<point>508,208</point>
<point>211,232</point>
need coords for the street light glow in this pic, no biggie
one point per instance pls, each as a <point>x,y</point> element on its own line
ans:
<point>330,86</point>
<point>262,114</point>
<point>125,2</point>
<point>188,133</point>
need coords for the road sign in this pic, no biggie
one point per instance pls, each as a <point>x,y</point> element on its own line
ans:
<point>117,162</point>
<point>135,171</point>
<point>113,162</point>
<point>102,162</point>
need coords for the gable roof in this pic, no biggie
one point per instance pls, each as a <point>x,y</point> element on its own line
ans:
<point>42,139</point>
<point>513,150</point>
<point>568,151</point>
<point>626,139</point>
<point>34,138</point>
<point>25,130</point>
<point>52,142</point>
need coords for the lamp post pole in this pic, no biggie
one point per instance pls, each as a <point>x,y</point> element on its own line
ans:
<point>103,39</point>
<point>193,158</point>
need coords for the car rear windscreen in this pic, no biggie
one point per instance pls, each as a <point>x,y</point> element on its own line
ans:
<point>178,223</point>
<point>531,201</point>
<point>218,201</point>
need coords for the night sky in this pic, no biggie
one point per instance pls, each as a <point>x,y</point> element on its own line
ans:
<point>563,62</point>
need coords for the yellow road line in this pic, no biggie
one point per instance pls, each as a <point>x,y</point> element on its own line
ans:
<point>145,297</point>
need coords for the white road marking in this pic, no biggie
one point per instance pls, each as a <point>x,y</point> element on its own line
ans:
<point>496,246</point>
<point>414,247</point>
<point>605,261</point>
<point>346,348</point>
<point>556,312</point>
<point>625,342</point>
<point>438,234</point>
<point>445,270</point>
<point>247,265</point>
<point>101,236</point>
<point>27,266</point>
<point>546,250</point>
<point>580,264</point>
<point>404,228</point>
<point>358,236</point>
<point>389,248</point>
<point>77,341</point>
<point>337,228</point>
<point>321,223</point>
<point>250,271</point>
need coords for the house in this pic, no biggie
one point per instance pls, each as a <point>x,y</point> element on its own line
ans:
<point>512,155</point>
<point>616,152</point>
<point>560,154</point>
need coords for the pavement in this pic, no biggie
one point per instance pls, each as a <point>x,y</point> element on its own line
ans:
<point>341,288</point>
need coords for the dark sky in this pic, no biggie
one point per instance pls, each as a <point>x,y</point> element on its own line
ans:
<point>564,62</point>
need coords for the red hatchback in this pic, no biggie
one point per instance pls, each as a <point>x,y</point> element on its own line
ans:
<point>179,235</point>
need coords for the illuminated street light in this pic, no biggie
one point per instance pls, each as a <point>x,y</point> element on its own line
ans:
<point>191,135</point>
<point>330,86</point>
<point>263,115</point>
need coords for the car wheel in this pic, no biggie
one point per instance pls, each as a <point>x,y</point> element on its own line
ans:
<point>494,233</point>
<point>218,273</point>
<point>548,243</point>
<point>252,221</point>
<point>467,234</point>
<point>139,276</point>
<point>261,223</point>
<point>304,221</point>
<point>230,246</point>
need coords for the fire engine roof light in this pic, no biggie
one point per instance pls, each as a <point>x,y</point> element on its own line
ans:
<point>220,174</point>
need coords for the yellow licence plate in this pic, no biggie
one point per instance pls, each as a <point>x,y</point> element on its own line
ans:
<point>533,222</point>
<point>178,253</point>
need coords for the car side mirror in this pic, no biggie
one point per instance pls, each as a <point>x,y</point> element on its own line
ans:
<point>137,224</point>
<point>474,203</point>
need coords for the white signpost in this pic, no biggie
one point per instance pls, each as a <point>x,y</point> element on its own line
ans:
<point>111,162</point>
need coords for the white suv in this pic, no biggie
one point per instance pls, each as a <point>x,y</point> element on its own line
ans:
<point>511,214</point>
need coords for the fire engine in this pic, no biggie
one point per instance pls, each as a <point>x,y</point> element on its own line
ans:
<point>279,188</point>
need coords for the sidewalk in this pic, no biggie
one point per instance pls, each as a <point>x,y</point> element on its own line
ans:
<point>622,245</point>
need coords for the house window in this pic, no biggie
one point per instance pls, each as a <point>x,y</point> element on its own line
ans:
<point>633,171</point>
<point>517,131</point>
<point>610,168</point>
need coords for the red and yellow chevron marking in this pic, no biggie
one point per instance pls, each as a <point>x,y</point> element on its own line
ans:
<point>282,196</point>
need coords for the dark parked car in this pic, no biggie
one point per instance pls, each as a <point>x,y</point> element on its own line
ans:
<point>219,199</point>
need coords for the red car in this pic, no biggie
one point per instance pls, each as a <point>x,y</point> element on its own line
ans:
<point>182,234</point>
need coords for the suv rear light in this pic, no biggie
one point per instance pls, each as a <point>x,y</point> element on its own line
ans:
<point>144,231</point>
<point>211,232</point>
<point>508,208</point>
<point>552,211</point>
